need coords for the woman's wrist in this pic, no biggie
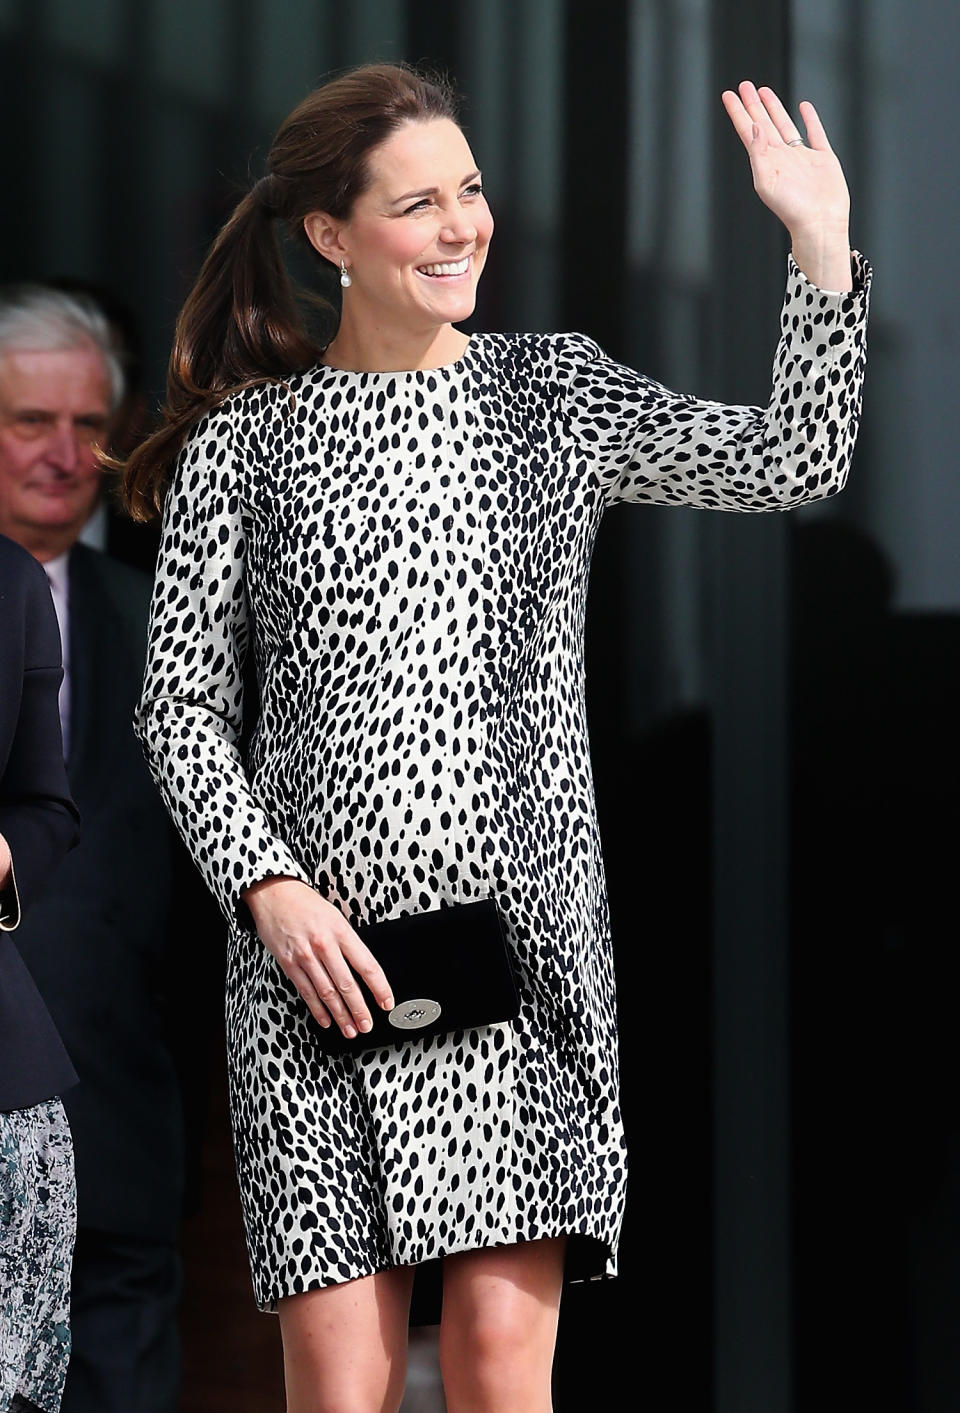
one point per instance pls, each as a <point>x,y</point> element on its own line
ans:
<point>823,254</point>
<point>255,892</point>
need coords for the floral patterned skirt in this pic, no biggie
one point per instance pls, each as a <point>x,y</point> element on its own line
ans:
<point>38,1225</point>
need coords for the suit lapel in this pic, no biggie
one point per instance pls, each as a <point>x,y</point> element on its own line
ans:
<point>81,680</point>
<point>95,636</point>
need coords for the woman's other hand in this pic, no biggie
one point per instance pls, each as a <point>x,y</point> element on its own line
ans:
<point>316,948</point>
<point>6,862</point>
<point>803,185</point>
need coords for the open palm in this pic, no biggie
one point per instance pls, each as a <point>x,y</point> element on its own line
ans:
<point>803,185</point>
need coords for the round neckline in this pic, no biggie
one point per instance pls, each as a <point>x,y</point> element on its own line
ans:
<point>456,366</point>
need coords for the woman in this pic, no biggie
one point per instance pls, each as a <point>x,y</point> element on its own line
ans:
<point>38,825</point>
<point>398,522</point>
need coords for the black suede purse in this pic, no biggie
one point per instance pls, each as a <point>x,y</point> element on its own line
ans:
<point>449,969</point>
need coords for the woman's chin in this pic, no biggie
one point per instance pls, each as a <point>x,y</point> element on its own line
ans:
<point>454,305</point>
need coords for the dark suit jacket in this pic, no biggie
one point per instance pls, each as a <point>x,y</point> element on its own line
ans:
<point>101,942</point>
<point>133,544</point>
<point>38,819</point>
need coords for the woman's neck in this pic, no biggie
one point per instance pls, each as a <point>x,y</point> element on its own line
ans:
<point>369,348</point>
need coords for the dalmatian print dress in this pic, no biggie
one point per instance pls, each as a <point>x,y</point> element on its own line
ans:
<point>406,556</point>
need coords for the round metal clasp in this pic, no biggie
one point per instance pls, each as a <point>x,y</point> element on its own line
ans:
<point>414,1015</point>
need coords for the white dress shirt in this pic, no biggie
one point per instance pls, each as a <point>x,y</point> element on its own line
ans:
<point>94,532</point>
<point>58,576</point>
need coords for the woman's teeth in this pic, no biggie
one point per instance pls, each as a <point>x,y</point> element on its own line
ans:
<point>460,268</point>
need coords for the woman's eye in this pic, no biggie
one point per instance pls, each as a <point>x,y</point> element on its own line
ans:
<point>426,199</point>
<point>476,189</point>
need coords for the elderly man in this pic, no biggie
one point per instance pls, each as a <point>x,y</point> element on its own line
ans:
<point>99,941</point>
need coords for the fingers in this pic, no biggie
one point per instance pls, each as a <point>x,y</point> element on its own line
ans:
<point>338,988</point>
<point>757,110</point>
<point>325,995</point>
<point>362,960</point>
<point>315,946</point>
<point>307,988</point>
<point>815,134</point>
<point>781,119</point>
<point>754,136</point>
<point>762,107</point>
<point>331,989</point>
<point>739,116</point>
<point>753,124</point>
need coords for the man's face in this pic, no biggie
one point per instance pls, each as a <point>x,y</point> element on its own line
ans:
<point>54,410</point>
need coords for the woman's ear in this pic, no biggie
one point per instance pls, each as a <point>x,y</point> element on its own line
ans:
<point>324,235</point>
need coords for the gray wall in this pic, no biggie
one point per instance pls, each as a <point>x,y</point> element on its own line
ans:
<point>887,73</point>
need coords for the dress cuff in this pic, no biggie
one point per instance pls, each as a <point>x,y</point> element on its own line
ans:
<point>278,869</point>
<point>860,269</point>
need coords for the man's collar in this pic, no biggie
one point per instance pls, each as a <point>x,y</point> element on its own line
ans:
<point>58,571</point>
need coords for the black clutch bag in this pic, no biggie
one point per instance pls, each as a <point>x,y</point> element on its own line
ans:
<point>448,969</point>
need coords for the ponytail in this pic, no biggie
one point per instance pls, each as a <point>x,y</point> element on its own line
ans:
<point>240,325</point>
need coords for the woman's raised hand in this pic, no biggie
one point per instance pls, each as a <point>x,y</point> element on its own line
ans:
<point>803,185</point>
<point>316,948</point>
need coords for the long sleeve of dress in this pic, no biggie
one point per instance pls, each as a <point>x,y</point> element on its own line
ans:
<point>652,445</point>
<point>189,716</point>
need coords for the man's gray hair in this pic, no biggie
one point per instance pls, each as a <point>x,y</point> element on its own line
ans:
<point>38,318</point>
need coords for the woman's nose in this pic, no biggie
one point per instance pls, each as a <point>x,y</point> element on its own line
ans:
<point>459,231</point>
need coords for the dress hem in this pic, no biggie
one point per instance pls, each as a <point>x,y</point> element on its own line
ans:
<point>607,1258</point>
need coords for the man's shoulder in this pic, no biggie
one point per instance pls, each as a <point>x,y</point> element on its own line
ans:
<point>18,568</point>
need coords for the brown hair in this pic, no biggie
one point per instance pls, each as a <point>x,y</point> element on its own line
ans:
<point>241,323</point>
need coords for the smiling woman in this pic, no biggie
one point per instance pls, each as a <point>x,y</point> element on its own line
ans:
<point>399,525</point>
<point>414,256</point>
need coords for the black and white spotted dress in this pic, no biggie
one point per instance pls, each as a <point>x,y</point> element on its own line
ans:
<point>407,556</point>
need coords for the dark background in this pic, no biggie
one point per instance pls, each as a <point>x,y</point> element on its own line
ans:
<point>773,700</point>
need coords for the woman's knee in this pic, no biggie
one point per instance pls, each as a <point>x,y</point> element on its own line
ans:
<point>499,1326</point>
<point>344,1348</point>
<point>491,1335</point>
<point>497,1348</point>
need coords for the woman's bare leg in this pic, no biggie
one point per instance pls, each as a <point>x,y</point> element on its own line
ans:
<point>499,1327</point>
<point>345,1347</point>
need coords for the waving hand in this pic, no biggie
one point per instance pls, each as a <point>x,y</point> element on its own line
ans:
<point>802,184</point>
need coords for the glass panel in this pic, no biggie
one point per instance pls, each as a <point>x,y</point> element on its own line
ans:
<point>93,30</point>
<point>68,224</point>
<point>289,58</point>
<point>669,253</point>
<point>375,30</point>
<point>876,671</point>
<point>513,75</point>
<point>192,44</point>
<point>538,55</point>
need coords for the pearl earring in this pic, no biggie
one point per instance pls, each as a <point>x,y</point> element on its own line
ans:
<point>345,279</point>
